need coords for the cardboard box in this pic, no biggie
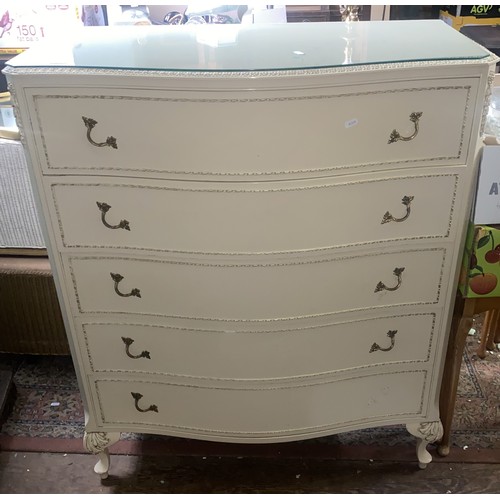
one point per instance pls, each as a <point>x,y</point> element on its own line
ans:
<point>480,273</point>
<point>458,21</point>
<point>477,11</point>
<point>487,203</point>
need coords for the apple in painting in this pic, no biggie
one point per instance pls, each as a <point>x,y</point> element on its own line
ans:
<point>482,284</point>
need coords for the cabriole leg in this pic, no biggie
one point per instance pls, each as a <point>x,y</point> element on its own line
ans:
<point>426,433</point>
<point>98,443</point>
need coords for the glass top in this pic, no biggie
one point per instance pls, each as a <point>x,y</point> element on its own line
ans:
<point>255,47</point>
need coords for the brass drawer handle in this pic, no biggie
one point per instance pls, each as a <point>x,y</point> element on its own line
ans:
<point>104,208</point>
<point>406,201</point>
<point>128,342</point>
<point>90,123</point>
<point>397,272</point>
<point>396,136</point>
<point>391,334</point>
<point>117,278</point>
<point>137,397</point>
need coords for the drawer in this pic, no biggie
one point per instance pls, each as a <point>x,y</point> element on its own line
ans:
<point>256,412</point>
<point>260,290</point>
<point>259,354</point>
<point>251,218</point>
<point>299,131</point>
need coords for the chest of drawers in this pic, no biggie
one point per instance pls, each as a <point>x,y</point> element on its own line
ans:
<point>255,249</point>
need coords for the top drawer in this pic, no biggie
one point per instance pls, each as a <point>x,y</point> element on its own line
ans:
<point>253,133</point>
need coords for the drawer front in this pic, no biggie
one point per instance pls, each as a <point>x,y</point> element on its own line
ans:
<point>259,412</point>
<point>260,354</point>
<point>235,218</point>
<point>256,291</point>
<point>287,132</point>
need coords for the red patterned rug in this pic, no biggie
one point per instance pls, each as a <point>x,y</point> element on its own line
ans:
<point>47,415</point>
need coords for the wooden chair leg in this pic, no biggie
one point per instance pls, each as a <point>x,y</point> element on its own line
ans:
<point>488,332</point>
<point>494,337</point>
<point>481,350</point>
<point>490,339</point>
<point>461,324</point>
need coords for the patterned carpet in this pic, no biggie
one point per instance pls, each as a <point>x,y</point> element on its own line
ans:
<point>48,406</point>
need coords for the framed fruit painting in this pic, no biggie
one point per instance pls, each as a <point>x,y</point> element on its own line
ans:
<point>480,274</point>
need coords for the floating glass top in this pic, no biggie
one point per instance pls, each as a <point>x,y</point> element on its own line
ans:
<point>253,47</point>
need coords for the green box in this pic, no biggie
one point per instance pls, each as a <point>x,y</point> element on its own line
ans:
<point>480,273</point>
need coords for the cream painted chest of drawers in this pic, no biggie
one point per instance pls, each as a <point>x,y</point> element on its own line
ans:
<point>255,231</point>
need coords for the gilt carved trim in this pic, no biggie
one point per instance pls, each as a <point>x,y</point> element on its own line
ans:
<point>279,332</point>
<point>252,265</point>
<point>221,432</point>
<point>492,58</point>
<point>229,101</point>
<point>243,191</point>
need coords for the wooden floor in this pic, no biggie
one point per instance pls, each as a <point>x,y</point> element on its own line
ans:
<point>288,468</point>
<point>72,473</point>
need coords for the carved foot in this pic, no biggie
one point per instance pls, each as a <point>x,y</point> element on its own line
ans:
<point>426,433</point>
<point>98,443</point>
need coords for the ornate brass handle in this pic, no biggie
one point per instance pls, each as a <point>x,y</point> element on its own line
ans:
<point>90,123</point>
<point>128,342</point>
<point>391,334</point>
<point>137,397</point>
<point>406,201</point>
<point>396,136</point>
<point>397,272</point>
<point>104,208</point>
<point>117,278</point>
